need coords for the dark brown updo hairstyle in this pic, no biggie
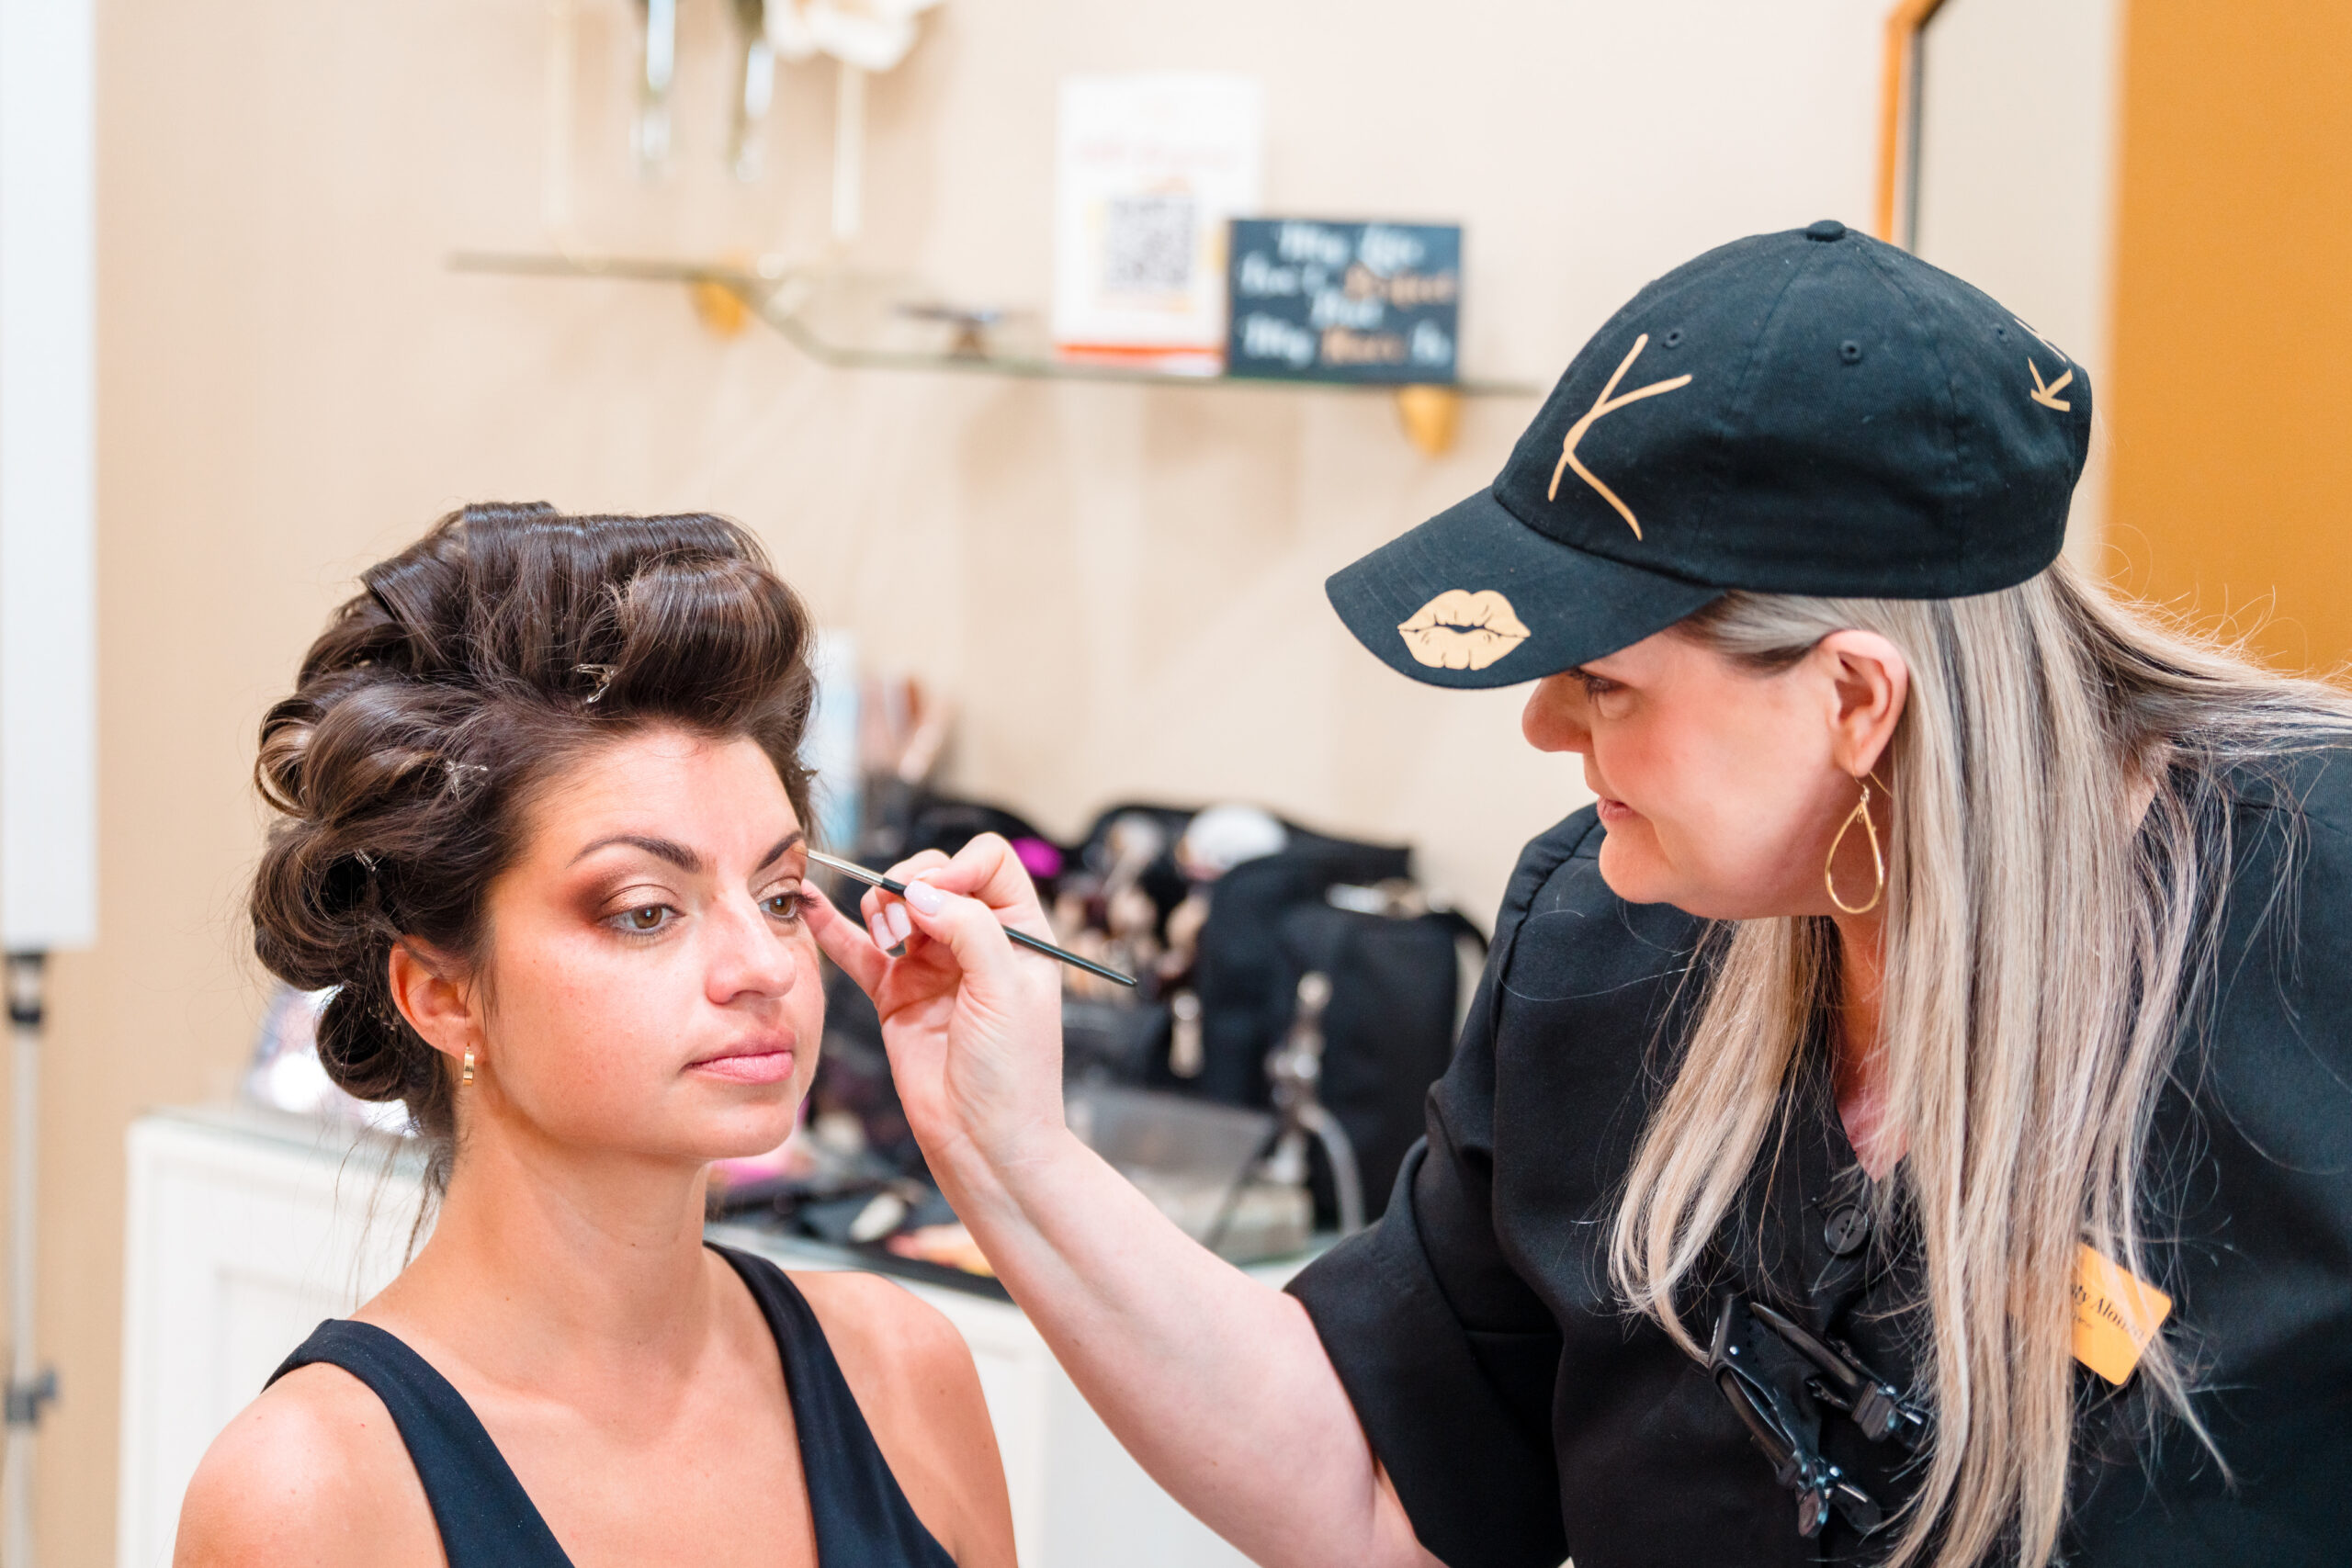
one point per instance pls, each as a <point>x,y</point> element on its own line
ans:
<point>472,668</point>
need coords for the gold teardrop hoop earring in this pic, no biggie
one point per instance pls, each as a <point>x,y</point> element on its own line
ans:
<point>466,1079</point>
<point>1878,860</point>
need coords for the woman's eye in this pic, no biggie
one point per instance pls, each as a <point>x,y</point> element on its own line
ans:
<point>646,918</point>
<point>786,906</point>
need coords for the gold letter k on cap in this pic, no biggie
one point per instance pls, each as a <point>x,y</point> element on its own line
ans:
<point>1602,406</point>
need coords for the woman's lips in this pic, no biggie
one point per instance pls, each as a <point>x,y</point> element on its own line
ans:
<point>754,1066</point>
<point>1615,810</point>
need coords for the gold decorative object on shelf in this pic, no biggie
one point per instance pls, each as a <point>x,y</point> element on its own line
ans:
<point>1432,417</point>
<point>719,306</point>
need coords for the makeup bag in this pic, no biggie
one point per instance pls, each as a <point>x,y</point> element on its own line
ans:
<point>1350,912</point>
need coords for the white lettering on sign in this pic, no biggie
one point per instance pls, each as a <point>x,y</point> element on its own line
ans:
<point>1386,250</point>
<point>1312,242</point>
<point>1270,337</point>
<point>1261,279</point>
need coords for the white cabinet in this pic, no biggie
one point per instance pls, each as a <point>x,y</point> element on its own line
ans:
<point>246,1228</point>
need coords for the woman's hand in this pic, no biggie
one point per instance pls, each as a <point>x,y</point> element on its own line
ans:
<point>1217,1383</point>
<point>972,1023</point>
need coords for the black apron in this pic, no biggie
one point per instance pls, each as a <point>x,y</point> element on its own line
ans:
<point>1525,1418</point>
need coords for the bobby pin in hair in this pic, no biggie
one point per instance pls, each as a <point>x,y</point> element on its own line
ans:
<point>604,673</point>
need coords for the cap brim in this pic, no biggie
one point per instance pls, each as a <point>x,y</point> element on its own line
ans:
<point>1474,597</point>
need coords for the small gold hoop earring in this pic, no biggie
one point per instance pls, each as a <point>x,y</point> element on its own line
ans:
<point>1878,860</point>
<point>466,1079</point>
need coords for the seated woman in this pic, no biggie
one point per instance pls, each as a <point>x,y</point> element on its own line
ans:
<point>541,827</point>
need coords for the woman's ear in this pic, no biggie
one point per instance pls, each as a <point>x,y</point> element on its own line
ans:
<point>427,988</point>
<point>1871,681</point>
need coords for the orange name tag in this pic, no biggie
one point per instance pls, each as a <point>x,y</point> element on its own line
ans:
<point>2116,1314</point>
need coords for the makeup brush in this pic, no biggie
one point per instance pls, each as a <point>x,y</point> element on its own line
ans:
<point>857,873</point>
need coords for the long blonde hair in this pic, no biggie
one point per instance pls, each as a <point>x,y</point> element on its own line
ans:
<point>2045,934</point>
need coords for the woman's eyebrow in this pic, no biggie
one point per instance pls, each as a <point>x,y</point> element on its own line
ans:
<point>677,854</point>
<point>786,842</point>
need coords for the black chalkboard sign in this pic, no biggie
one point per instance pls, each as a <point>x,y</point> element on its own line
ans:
<point>1316,301</point>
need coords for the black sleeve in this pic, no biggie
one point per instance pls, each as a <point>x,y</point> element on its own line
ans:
<point>1447,1356</point>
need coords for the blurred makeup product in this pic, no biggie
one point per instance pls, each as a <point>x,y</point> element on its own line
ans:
<point>862,36</point>
<point>658,25</point>
<point>755,91</point>
<point>829,747</point>
<point>1224,836</point>
<point>285,1075</point>
<point>857,873</point>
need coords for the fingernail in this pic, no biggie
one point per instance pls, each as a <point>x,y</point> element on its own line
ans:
<point>878,927</point>
<point>900,927</point>
<point>925,897</point>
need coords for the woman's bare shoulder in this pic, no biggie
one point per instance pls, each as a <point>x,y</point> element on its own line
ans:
<point>313,1471</point>
<point>915,1382</point>
<point>872,1319</point>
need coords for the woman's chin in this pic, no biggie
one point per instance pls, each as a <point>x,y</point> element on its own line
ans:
<point>1632,871</point>
<point>746,1132</point>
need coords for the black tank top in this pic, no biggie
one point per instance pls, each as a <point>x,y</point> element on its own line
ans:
<point>862,1519</point>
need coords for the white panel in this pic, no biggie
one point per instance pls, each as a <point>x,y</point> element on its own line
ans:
<point>2017,175</point>
<point>238,1245</point>
<point>48,653</point>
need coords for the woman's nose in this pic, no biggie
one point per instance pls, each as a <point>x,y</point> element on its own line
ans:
<point>1554,719</point>
<point>749,956</point>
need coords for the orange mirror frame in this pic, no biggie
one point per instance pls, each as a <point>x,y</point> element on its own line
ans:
<point>1898,136</point>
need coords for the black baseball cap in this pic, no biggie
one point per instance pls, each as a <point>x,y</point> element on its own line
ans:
<point>1812,412</point>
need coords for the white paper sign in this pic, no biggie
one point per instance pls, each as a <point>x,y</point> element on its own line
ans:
<point>1149,170</point>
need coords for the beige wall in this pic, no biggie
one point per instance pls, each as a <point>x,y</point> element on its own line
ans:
<point>1121,586</point>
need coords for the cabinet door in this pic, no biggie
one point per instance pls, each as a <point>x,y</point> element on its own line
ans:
<point>236,1248</point>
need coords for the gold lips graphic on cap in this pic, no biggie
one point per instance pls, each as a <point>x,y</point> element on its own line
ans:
<point>1462,630</point>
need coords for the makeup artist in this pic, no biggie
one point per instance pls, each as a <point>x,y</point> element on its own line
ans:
<point>1908,1120</point>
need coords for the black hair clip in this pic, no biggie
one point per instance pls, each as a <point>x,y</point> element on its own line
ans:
<point>1786,1434</point>
<point>1845,1383</point>
<point>604,673</point>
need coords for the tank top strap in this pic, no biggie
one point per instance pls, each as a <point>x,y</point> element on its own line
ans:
<point>862,1516</point>
<point>485,1518</point>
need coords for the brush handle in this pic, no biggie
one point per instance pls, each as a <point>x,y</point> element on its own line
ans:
<point>1072,959</point>
<point>857,873</point>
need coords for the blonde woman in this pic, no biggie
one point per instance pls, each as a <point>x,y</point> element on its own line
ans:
<point>1907,1120</point>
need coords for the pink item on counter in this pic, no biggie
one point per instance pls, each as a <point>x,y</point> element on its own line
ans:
<point>1039,858</point>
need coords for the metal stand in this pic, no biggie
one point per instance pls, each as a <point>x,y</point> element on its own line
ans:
<point>29,1386</point>
<point>1294,1070</point>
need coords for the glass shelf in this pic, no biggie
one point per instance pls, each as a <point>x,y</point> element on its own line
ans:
<point>882,321</point>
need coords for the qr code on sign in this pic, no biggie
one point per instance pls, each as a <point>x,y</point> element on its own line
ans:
<point>1148,244</point>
